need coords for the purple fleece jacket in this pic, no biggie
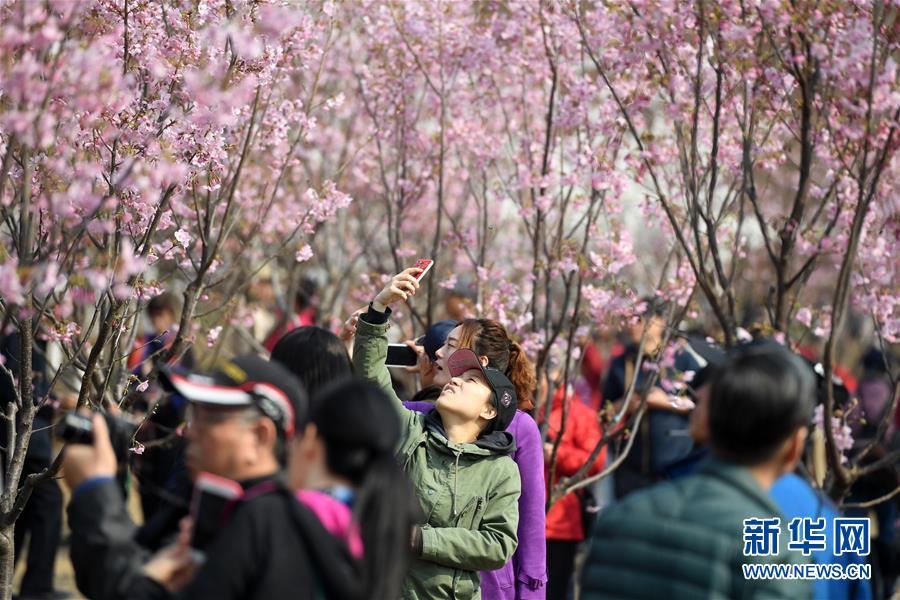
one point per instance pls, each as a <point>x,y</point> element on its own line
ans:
<point>524,576</point>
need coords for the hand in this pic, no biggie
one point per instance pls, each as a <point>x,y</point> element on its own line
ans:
<point>415,540</point>
<point>348,331</point>
<point>659,399</point>
<point>82,461</point>
<point>423,362</point>
<point>68,401</point>
<point>402,286</point>
<point>171,567</point>
<point>681,404</point>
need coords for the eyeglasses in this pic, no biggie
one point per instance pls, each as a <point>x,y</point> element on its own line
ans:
<point>211,418</point>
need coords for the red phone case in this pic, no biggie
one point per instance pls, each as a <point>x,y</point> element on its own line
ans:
<point>425,264</point>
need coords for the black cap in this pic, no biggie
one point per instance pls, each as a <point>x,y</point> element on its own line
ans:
<point>245,381</point>
<point>435,337</point>
<point>504,392</point>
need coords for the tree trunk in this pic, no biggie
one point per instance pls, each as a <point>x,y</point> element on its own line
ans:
<point>7,564</point>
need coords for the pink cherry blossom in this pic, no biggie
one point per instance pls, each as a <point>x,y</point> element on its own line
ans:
<point>304,254</point>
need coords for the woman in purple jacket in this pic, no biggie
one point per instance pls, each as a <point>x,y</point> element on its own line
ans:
<point>524,577</point>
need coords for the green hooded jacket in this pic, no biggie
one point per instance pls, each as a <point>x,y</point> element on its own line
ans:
<point>469,492</point>
<point>683,540</point>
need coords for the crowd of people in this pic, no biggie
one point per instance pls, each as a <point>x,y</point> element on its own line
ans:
<point>344,483</point>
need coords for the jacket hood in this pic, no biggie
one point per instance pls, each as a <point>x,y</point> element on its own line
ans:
<point>496,442</point>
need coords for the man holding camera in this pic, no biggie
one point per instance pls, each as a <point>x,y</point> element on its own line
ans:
<point>239,421</point>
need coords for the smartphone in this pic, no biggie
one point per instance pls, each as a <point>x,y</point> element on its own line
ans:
<point>425,264</point>
<point>212,494</point>
<point>401,355</point>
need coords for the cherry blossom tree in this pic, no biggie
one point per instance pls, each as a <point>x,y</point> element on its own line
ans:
<point>559,160</point>
<point>145,146</point>
<point>779,122</point>
<point>512,141</point>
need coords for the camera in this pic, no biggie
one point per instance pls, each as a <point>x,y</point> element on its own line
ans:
<point>79,429</point>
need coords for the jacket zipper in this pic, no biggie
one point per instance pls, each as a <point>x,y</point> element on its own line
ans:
<point>456,483</point>
<point>468,504</point>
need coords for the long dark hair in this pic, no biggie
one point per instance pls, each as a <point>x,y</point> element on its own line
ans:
<point>360,430</point>
<point>315,355</point>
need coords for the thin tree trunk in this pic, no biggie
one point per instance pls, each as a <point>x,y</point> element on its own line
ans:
<point>6,562</point>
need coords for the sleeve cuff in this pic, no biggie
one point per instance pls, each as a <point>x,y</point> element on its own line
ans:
<point>526,583</point>
<point>147,587</point>
<point>375,317</point>
<point>91,483</point>
<point>427,551</point>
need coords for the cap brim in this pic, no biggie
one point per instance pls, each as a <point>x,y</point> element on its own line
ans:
<point>203,390</point>
<point>464,360</point>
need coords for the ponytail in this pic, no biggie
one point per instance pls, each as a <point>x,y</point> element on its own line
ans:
<point>360,429</point>
<point>386,508</point>
<point>521,373</point>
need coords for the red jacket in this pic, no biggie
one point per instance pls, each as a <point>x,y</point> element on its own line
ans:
<point>579,439</point>
<point>305,318</point>
<point>592,368</point>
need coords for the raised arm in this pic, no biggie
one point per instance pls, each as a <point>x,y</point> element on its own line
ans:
<point>370,345</point>
<point>370,351</point>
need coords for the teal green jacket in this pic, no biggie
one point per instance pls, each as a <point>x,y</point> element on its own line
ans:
<point>684,540</point>
<point>469,492</point>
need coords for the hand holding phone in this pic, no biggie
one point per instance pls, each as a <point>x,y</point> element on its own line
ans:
<point>402,285</point>
<point>401,355</point>
<point>425,264</point>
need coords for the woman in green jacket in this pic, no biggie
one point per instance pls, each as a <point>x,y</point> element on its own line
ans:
<point>457,457</point>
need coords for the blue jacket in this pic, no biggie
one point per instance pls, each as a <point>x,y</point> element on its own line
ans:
<point>797,498</point>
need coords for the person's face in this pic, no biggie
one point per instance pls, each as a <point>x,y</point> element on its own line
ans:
<point>441,372</point>
<point>655,327</point>
<point>307,456</point>
<point>468,397</point>
<point>457,308</point>
<point>222,440</point>
<point>262,291</point>
<point>162,322</point>
<point>792,451</point>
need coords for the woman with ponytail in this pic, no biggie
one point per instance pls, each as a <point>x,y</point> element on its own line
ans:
<point>525,575</point>
<point>344,459</point>
<point>344,469</point>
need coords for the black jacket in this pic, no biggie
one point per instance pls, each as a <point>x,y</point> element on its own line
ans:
<point>272,547</point>
<point>105,557</point>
